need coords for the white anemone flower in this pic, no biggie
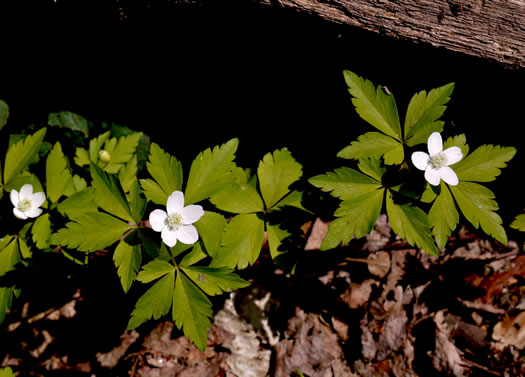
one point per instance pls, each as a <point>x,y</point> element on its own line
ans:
<point>176,223</point>
<point>436,162</point>
<point>26,202</point>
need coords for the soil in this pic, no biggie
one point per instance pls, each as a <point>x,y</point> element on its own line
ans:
<point>377,307</point>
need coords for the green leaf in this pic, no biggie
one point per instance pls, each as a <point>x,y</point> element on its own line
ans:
<point>136,202</point>
<point>21,179</point>
<point>519,223</point>
<point>153,192</point>
<point>241,243</point>
<point>90,231</point>
<point>127,260</point>
<point>484,164</point>
<point>166,170</point>
<point>78,204</point>
<point>7,372</point>
<point>192,311</point>
<point>457,141</point>
<point>69,120</point>
<point>374,145</point>
<point>210,172</point>
<point>276,235</point>
<point>276,173</point>
<point>21,154</point>
<point>210,228</point>
<point>6,299</point>
<point>195,255</point>
<point>154,270</point>
<point>372,167</point>
<point>4,113</point>
<point>356,218</point>
<point>477,205</point>
<point>81,157</point>
<point>9,254</point>
<point>121,151</point>
<point>241,195</point>
<point>423,113</point>
<point>109,194</point>
<point>410,223</point>
<point>214,281</point>
<point>128,174</point>
<point>443,216</point>
<point>41,231</point>
<point>156,302</point>
<point>58,176</point>
<point>345,183</point>
<point>374,105</point>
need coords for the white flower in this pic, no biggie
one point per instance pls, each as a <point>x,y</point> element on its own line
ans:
<point>175,224</point>
<point>436,163</point>
<point>26,203</point>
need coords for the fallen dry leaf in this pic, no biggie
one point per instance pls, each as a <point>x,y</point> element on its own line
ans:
<point>511,331</point>
<point>379,263</point>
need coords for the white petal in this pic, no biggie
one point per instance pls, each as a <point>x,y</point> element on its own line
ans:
<point>175,202</point>
<point>38,199</point>
<point>432,176</point>
<point>26,192</point>
<point>435,143</point>
<point>453,154</point>
<point>19,214</point>
<point>169,237</point>
<point>449,175</point>
<point>13,195</point>
<point>34,212</point>
<point>157,218</point>
<point>187,234</point>
<point>191,214</point>
<point>420,160</point>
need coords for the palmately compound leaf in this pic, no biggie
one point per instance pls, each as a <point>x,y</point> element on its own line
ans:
<point>154,270</point>
<point>127,259</point>
<point>191,311</point>
<point>41,231</point>
<point>241,243</point>
<point>210,172</point>
<point>241,195</point>
<point>372,167</point>
<point>58,177</point>
<point>355,218</point>
<point>109,194</point>
<point>443,216</point>
<point>276,236</point>
<point>166,170</point>
<point>477,205</point>
<point>90,232</point>
<point>276,173</point>
<point>210,228</point>
<point>4,113</point>
<point>69,120</point>
<point>345,183</point>
<point>484,164</point>
<point>374,145</point>
<point>21,154</point>
<point>120,151</point>
<point>410,223</point>
<point>7,372</point>
<point>95,145</point>
<point>423,113</point>
<point>153,191</point>
<point>155,303</point>
<point>374,105</point>
<point>79,203</point>
<point>519,223</point>
<point>213,280</point>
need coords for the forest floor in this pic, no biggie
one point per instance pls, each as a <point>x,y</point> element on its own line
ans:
<point>375,308</point>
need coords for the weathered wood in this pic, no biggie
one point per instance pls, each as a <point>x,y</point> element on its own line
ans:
<point>490,29</point>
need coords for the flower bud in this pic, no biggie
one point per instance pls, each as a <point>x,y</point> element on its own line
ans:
<point>104,156</point>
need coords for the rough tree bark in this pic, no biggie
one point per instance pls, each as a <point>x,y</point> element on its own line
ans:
<point>490,29</point>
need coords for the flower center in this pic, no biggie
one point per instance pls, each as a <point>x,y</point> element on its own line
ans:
<point>173,221</point>
<point>24,205</point>
<point>438,160</point>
